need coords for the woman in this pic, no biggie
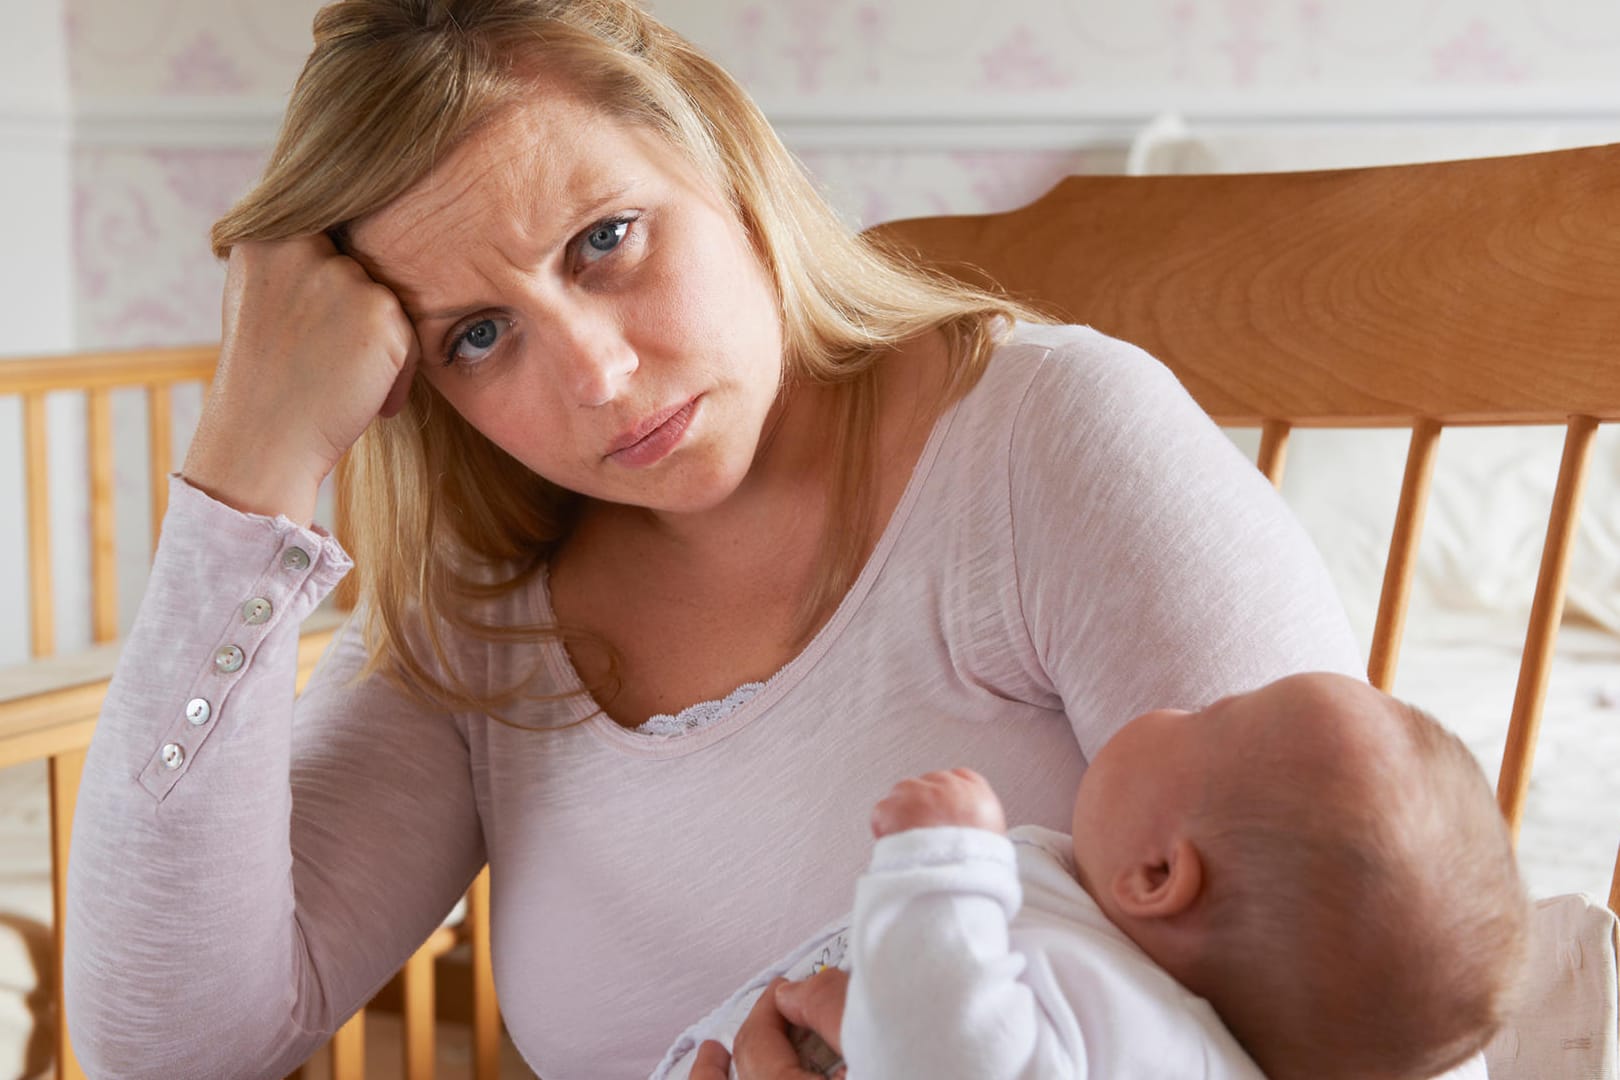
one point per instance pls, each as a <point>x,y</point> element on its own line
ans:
<point>657,434</point>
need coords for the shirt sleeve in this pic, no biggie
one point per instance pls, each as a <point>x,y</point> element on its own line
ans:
<point>246,874</point>
<point>934,988</point>
<point>1156,567</point>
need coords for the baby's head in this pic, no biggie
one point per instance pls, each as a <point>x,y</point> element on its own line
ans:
<point>1324,864</point>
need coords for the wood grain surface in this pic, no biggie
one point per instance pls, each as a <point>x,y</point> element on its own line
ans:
<point>1467,292</point>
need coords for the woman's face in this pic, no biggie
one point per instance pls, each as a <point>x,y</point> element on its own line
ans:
<point>585,301</point>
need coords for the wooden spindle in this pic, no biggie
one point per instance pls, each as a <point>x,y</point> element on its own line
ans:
<point>1513,782</point>
<point>1614,895</point>
<point>65,771</point>
<point>103,537</point>
<point>1614,887</point>
<point>486,1026</point>
<point>1403,548</point>
<point>36,465</point>
<point>349,1049</point>
<point>1274,450</point>
<point>160,451</point>
<point>417,1006</point>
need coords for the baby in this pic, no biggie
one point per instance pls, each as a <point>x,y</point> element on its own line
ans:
<point>1308,880</point>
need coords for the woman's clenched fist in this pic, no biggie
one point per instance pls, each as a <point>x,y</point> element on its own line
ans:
<point>312,350</point>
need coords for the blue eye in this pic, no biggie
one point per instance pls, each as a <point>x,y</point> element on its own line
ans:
<point>475,342</point>
<point>603,239</point>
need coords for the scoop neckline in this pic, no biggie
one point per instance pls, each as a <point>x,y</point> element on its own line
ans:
<point>585,712</point>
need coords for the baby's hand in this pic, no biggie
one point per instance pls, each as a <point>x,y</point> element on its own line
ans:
<point>958,797</point>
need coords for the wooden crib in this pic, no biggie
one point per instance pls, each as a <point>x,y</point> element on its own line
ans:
<point>1404,297</point>
<point>49,707</point>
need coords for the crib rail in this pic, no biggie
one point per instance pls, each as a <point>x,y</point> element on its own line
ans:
<point>48,707</point>
<point>96,376</point>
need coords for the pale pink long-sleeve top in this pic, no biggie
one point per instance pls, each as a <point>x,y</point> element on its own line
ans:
<point>1077,543</point>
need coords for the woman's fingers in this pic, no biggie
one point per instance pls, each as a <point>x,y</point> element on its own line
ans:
<point>816,1003</point>
<point>762,1050</point>
<point>402,384</point>
<point>712,1062</point>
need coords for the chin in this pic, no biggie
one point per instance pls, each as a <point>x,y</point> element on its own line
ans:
<point>694,491</point>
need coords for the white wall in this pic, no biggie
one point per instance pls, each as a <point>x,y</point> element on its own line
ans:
<point>35,182</point>
<point>36,264</point>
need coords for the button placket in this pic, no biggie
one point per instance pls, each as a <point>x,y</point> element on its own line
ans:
<point>279,582</point>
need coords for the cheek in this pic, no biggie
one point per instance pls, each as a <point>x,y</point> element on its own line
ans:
<point>506,415</point>
<point>724,291</point>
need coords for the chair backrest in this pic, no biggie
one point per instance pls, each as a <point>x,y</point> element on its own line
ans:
<point>1461,292</point>
<point>1468,292</point>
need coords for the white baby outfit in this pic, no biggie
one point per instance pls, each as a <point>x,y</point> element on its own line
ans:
<point>979,956</point>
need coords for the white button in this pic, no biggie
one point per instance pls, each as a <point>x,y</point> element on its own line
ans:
<point>198,711</point>
<point>173,756</point>
<point>295,559</point>
<point>228,659</point>
<point>256,611</point>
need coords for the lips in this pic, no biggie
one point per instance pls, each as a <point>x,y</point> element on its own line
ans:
<point>653,438</point>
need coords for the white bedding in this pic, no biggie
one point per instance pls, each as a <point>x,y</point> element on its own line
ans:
<point>1465,669</point>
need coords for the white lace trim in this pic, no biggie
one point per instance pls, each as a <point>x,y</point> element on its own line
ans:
<point>700,715</point>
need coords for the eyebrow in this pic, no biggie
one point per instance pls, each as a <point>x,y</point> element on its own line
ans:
<point>450,315</point>
<point>579,209</point>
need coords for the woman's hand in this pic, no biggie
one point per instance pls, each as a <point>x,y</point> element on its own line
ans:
<point>312,350</point>
<point>764,1050</point>
<point>958,797</point>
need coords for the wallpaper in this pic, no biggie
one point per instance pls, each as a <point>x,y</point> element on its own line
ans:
<point>814,46</point>
<point>150,205</point>
<point>147,47</point>
<point>948,77</point>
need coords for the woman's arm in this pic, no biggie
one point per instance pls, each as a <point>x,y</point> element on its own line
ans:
<point>1155,565</point>
<point>243,878</point>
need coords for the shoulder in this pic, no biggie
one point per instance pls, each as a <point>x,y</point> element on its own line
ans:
<point>1045,358</point>
<point>1071,394</point>
<point>1082,383</point>
<point>1050,387</point>
<point>1088,420</point>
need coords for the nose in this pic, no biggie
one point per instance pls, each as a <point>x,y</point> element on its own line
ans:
<point>594,360</point>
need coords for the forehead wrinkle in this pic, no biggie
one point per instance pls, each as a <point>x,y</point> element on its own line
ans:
<point>511,195</point>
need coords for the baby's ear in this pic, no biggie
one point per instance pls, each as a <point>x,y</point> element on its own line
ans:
<point>1162,887</point>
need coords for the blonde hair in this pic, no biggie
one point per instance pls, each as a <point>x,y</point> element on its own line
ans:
<point>438,518</point>
<point>1362,926</point>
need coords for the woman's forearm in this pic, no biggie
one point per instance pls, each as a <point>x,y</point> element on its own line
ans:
<point>237,883</point>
